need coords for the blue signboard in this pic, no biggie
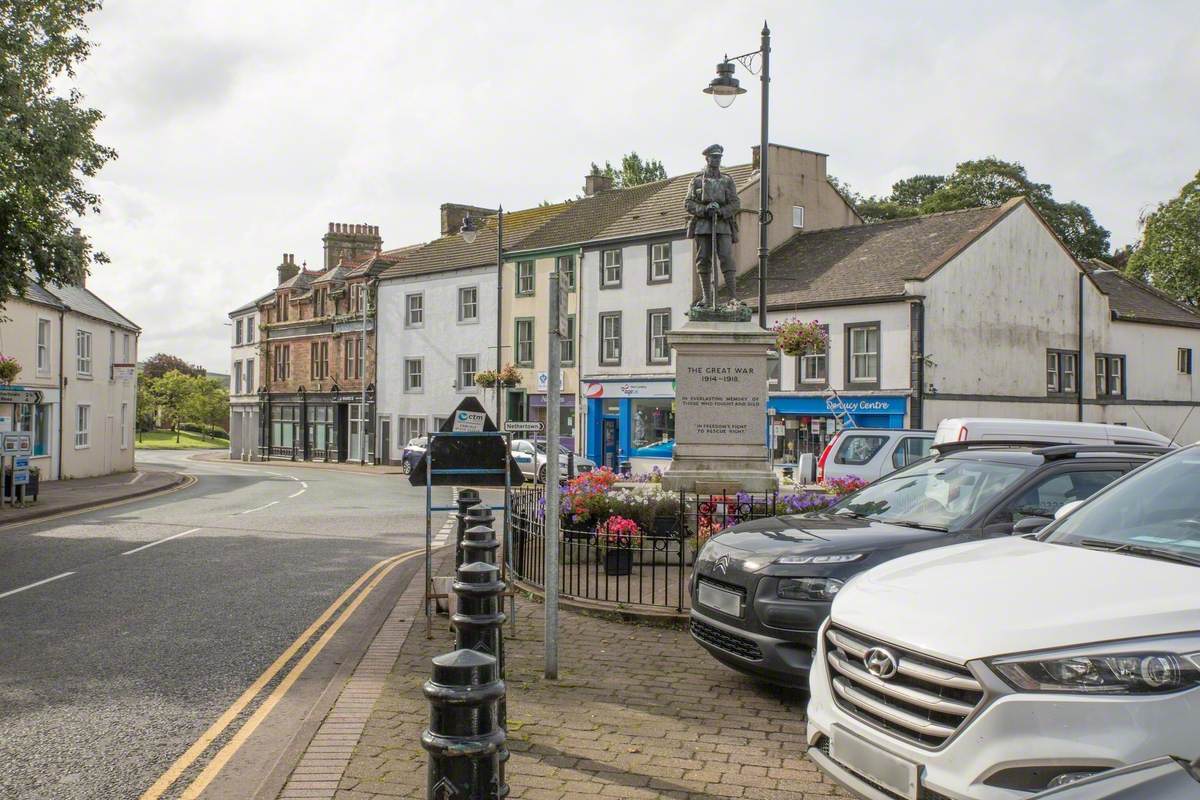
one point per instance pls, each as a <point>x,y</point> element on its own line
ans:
<point>20,477</point>
<point>21,462</point>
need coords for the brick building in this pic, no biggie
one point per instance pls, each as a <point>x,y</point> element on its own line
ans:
<point>316,351</point>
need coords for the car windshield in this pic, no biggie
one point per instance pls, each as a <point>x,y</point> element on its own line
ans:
<point>934,493</point>
<point>1154,512</point>
<point>541,447</point>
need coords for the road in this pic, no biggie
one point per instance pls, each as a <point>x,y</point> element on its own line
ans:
<point>125,632</point>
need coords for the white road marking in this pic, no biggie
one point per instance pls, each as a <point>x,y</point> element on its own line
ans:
<point>160,541</point>
<point>304,484</point>
<point>136,478</point>
<point>38,583</point>
<point>260,508</point>
<point>297,494</point>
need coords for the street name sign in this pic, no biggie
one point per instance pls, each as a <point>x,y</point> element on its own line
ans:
<point>524,427</point>
<point>20,396</point>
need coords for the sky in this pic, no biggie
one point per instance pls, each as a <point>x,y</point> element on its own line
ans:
<point>244,128</point>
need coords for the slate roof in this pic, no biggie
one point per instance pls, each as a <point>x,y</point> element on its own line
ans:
<point>663,210</point>
<point>82,301</point>
<point>587,217</point>
<point>253,304</point>
<point>1132,300</point>
<point>867,262</point>
<point>34,293</point>
<point>451,252</point>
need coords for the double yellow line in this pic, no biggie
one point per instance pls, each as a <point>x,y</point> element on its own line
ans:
<point>372,578</point>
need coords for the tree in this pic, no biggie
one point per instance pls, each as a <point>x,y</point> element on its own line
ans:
<point>1168,255</point>
<point>147,405</point>
<point>160,364</point>
<point>916,190</point>
<point>172,392</point>
<point>633,171</point>
<point>208,404</point>
<point>47,144</point>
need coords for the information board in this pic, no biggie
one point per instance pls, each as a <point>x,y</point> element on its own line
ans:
<point>16,444</point>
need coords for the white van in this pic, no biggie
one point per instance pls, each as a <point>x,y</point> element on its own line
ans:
<point>978,429</point>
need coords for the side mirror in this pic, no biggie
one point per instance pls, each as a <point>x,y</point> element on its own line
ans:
<point>1027,525</point>
<point>1067,508</point>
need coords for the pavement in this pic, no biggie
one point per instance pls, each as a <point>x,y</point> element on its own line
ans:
<point>60,497</point>
<point>177,644</point>
<point>638,711</point>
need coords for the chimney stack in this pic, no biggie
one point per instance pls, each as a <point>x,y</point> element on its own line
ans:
<point>594,183</point>
<point>350,241</point>
<point>453,215</point>
<point>287,268</point>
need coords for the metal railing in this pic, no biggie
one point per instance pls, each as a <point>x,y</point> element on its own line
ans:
<point>650,570</point>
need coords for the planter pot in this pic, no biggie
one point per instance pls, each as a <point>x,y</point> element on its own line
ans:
<point>618,562</point>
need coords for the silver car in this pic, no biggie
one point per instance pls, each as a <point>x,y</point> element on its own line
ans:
<point>530,455</point>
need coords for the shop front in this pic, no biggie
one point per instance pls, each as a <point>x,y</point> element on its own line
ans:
<point>566,416</point>
<point>802,424</point>
<point>631,423</point>
<point>318,427</point>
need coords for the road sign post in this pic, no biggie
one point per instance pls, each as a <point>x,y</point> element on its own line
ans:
<point>558,321</point>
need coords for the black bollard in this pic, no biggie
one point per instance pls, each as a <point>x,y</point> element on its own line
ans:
<point>464,739</point>
<point>480,544</point>
<point>478,623</point>
<point>465,500</point>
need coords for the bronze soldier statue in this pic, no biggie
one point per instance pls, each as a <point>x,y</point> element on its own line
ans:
<point>712,202</point>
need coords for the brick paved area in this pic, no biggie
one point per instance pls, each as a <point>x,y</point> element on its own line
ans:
<point>638,712</point>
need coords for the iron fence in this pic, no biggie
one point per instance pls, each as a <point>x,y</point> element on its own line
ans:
<point>651,570</point>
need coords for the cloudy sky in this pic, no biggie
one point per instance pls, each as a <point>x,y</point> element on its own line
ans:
<point>245,127</point>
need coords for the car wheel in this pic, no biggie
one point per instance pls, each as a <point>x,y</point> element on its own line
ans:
<point>405,468</point>
<point>541,476</point>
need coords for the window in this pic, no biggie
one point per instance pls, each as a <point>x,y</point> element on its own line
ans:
<point>414,374</point>
<point>610,269</point>
<point>349,345</point>
<point>1044,498</point>
<point>249,376</point>
<point>124,426</point>
<point>566,272</point>
<point>774,371</point>
<point>610,338</point>
<point>414,310</point>
<point>237,332</point>
<point>319,360</point>
<point>910,449</point>
<point>813,365</point>
<point>1183,360</point>
<point>283,362</point>
<point>797,216</point>
<point>660,263</point>
<point>281,307</point>
<point>237,377</point>
<point>1061,371</point>
<point>36,420</point>
<point>658,323</point>
<point>859,450</point>
<point>249,329</point>
<point>410,428</point>
<point>524,340</point>
<point>467,367</point>
<point>1110,376</point>
<point>112,353</point>
<point>566,344</point>
<point>653,423</point>
<point>126,355</point>
<point>862,354</point>
<point>83,352</point>
<point>83,421</point>
<point>43,345</point>
<point>525,278</point>
<point>468,304</point>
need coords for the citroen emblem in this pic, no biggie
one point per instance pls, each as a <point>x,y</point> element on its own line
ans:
<point>880,663</point>
<point>722,565</point>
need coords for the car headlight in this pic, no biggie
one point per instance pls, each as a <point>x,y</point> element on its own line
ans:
<point>1114,669</point>
<point>835,558</point>
<point>820,589</point>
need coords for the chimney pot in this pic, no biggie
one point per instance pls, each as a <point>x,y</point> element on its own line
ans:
<point>331,227</point>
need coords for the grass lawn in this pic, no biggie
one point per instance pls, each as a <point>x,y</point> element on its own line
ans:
<point>165,440</point>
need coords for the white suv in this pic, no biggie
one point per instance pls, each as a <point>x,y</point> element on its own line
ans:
<point>1000,668</point>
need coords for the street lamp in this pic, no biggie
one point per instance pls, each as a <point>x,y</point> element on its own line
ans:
<point>724,90</point>
<point>469,233</point>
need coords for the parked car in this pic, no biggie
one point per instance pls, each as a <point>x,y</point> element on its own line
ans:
<point>761,590</point>
<point>530,455</point>
<point>992,669</point>
<point>871,453</point>
<point>979,429</point>
<point>413,451</point>
<point>1164,778</point>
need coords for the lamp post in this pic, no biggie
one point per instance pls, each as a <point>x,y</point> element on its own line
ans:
<point>724,89</point>
<point>470,232</point>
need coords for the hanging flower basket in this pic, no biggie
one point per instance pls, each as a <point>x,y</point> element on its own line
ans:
<point>486,379</point>
<point>795,338</point>
<point>10,368</point>
<point>510,375</point>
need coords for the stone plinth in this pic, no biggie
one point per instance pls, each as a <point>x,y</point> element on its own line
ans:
<point>720,408</point>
